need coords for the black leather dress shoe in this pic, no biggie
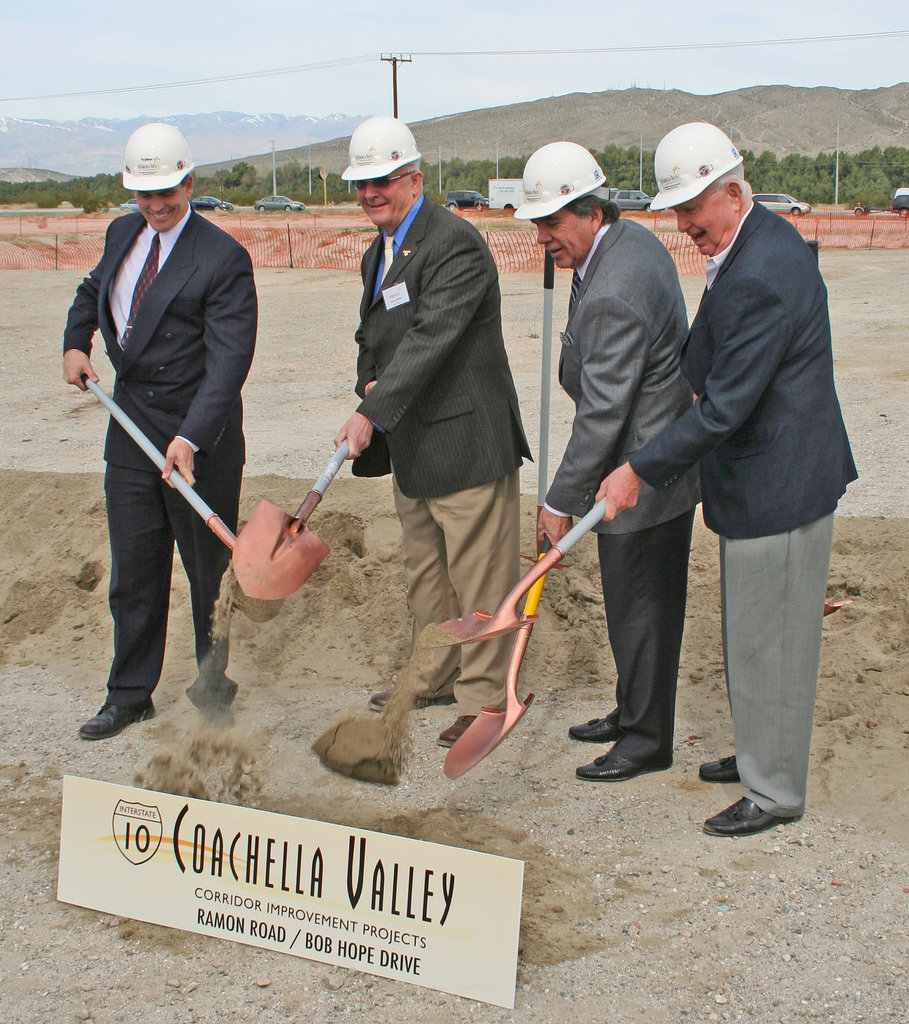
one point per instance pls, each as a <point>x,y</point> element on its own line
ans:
<point>618,768</point>
<point>112,719</point>
<point>597,730</point>
<point>743,818</point>
<point>724,770</point>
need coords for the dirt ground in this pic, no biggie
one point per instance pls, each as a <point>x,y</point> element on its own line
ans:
<point>630,912</point>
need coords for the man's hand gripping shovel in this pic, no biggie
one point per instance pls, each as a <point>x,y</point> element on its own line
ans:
<point>274,554</point>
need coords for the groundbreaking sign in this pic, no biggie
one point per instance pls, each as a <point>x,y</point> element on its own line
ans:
<point>431,915</point>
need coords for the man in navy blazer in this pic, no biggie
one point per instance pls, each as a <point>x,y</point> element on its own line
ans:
<point>175,301</point>
<point>439,410</point>
<point>767,432</point>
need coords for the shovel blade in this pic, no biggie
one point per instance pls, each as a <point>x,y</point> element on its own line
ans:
<point>482,736</point>
<point>471,629</point>
<point>270,562</point>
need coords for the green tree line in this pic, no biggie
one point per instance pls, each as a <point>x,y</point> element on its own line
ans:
<point>871,176</point>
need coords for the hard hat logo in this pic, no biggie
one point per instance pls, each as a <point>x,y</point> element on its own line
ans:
<point>565,190</point>
<point>149,165</point>
<point>704,170</point>
<point>395,154</point>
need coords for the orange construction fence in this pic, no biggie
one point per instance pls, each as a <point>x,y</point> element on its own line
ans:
<point>284,244</point>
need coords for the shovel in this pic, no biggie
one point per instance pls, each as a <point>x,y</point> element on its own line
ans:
<point>275,554</point>
<point>481,625</point>
<point>492,725</point>
<point>258,575</point>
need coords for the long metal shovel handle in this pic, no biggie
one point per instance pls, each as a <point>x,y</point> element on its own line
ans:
<point>297,524</point>
<point>218,528</point>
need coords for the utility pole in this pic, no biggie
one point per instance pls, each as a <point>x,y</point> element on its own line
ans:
<point>309,162</point>
<point>836,186</point>
<point>274,170</point>
<point>497,158</point>
<point>394,59</point>
<point>641,164</point>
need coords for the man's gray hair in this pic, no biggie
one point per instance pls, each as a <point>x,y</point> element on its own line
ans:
<point>587,205</point>
<point>737,174</point>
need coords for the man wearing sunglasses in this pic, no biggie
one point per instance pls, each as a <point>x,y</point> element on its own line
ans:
<point>439,411</point>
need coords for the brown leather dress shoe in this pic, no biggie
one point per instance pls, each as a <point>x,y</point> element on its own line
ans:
<point>378,700</point>
<point>456,731</point>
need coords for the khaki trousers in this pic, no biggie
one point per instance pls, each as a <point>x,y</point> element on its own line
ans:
<point>461,554</point>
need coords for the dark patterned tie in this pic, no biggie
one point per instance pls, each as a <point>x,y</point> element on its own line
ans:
<point>149,272</point>
<point>575,288</point>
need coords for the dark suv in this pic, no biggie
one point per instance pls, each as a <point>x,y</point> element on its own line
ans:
<point>466,200</point>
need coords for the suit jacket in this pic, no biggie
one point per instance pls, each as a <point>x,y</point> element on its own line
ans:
<point>620,365</point>
<point>444,396</point>
<point>190,348</point>
<point>767,427</point>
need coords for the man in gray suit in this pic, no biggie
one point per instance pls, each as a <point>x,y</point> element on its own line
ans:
<point>439,410</point>
<point>768,435</point>
<point>620,365</point>
<point>175,301</point>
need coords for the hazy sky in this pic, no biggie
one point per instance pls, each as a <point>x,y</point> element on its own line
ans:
<point>60,47</point>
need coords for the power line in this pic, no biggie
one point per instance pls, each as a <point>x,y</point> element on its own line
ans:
<point>369,57</point>
<point>852,37</point>
<point>323,65</point>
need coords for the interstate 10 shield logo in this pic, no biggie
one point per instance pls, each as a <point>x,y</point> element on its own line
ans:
<point>137,830</point>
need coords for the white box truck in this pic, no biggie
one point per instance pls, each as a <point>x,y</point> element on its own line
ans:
<point>505,193</point>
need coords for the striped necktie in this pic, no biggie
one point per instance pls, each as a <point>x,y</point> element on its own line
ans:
<point>575,288</point>
<point>148,274</point>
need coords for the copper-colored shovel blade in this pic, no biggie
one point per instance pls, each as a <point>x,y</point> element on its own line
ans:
<point>269,561</point>
<point>482,736</point>
<point>491,725</point>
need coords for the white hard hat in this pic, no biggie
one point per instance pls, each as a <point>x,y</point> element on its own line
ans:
<point>555,175</point>
<point>688,159</point>
<point>157,157</point>
<point>378,148</point>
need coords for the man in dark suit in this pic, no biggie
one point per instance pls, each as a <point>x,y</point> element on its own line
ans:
<point>440,410</point>
<point>620,365</point>
<point>768,435</point>
<point>175,302</point>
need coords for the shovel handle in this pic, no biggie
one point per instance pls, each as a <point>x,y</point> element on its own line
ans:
<point>581,527</point>
<point>533,595</point>
<point>306,509</point>
<point>218,528</point>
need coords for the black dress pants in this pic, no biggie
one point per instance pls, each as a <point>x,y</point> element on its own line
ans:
<point>645,587</point>
<point>145,518</point>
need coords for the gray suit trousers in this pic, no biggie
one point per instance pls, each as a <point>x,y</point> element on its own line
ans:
<point>773,591</point>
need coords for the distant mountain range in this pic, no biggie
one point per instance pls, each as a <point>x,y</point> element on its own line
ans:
<point>95,145</point>
<point>777,118</point>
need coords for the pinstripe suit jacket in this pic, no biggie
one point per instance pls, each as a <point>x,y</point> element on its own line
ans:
<point>444,397</point>
<point>620,365</point>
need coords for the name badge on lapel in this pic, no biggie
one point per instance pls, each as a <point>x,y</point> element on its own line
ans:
<point>565,338</point>
<point>396,295</point>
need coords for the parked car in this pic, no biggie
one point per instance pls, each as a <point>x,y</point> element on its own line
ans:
<point>780,202</point>
<point>466,199</point>
<point>278,203</point>
<point>901,202</point>
<point>210,203</point>
<point>131,205</point>
<point>630,199</point>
